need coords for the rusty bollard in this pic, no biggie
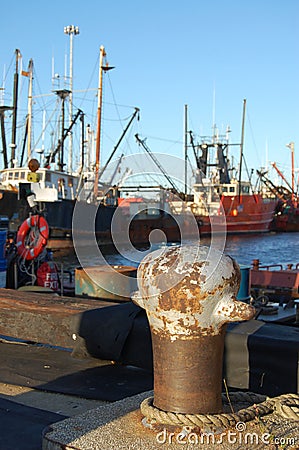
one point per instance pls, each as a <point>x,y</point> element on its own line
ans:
<point>189,294</point>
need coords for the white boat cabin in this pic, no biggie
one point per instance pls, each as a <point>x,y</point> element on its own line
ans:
<point>211,192</point>
<point>47,185</point>
<point>206,196</point>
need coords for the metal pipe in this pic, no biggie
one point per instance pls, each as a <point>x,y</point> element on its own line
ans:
<point>183,379</point>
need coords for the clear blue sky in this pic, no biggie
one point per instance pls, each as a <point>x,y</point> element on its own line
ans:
<point>209,55</point>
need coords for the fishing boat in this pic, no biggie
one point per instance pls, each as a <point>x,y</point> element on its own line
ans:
<point>222,199</point>
<point>48,190</point>
<point>232,202</point>
<point>52,190</point>
<point>286,216</point>
<point>219,201</point>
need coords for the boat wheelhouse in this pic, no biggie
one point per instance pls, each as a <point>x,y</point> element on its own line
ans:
<point>47,186</point>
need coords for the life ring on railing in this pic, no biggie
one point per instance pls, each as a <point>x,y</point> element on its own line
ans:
<point>32,237</point>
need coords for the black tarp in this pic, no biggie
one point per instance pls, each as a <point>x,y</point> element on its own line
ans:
<point>261,357</point>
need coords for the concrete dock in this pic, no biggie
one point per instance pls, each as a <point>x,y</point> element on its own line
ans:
<point>55,397</point>
<point>41,381</point>
<point>41,385</point>
<point>121,426</point>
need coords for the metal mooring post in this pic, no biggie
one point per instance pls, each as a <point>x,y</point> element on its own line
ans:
<point>189,294</point>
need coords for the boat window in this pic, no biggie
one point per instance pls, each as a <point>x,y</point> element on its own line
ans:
<point>16,176</point>
<point>22,176</point>
<point>232,189</point>
<point>10,175</point>
<point>48,177</point>
<point>224,189</point>
<point>41,176</point>
<point>245,189</point>
<point>3,176</point>
<point>70,181</point>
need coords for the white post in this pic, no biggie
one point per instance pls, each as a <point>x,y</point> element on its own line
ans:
<point>71,30</point>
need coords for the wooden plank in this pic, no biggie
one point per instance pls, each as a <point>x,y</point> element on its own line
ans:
<point>44,318</point>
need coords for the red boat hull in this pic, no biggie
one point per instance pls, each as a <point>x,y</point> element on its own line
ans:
<point>286,222</point>
<point>252,214</point>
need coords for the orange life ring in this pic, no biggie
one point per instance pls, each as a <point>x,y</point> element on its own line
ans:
<point>32,237</point>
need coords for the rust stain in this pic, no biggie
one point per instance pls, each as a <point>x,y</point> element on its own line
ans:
<point>183,298</point>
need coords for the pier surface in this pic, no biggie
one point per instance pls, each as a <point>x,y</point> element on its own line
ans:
<point>120,426</point>
<point>44,382</point>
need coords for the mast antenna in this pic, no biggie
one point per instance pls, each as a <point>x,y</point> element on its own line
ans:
<point>241,149</point>
<point>214,109</point>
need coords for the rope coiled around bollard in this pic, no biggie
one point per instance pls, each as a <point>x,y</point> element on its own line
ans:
<point>286,405</point>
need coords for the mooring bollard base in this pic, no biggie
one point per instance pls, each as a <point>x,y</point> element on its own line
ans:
<point>183,380</point>
<point>120,426</point>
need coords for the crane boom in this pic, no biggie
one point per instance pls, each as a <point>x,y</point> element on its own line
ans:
<point>281,175</point>
<point>282,193</point>
<point>160,167</point>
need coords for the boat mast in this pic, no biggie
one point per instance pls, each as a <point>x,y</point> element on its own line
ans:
<point>3,110</point>
<point>241,150</point>
<point>63,94</point>
<point>291,146</point>
<point>14,115</point>
<point>82,141</point>
<point>99,119</point>
<point>71,30</point>
<point>186,147</point>
<point>89,136</point>
<point>30,72</point>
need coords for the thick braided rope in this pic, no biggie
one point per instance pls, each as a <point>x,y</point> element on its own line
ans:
<point>286,405</point>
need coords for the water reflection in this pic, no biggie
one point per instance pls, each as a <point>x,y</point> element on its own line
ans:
<point>269,248</point>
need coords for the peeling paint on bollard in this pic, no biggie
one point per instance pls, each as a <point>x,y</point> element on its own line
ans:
<point>189,294</point>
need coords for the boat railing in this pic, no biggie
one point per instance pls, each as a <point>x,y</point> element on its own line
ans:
<point>271,266</point>
<point>256,266</point>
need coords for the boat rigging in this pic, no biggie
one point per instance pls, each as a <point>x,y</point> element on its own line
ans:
<point>158,164</point>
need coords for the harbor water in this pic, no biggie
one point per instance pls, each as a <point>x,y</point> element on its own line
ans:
<point>3,235</point>
<point>269,248</point>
